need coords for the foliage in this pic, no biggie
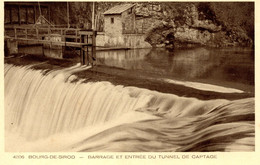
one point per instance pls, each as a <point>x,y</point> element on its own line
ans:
<point>235,15</point>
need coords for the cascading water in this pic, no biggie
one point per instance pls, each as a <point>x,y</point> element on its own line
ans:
<point>56,111</point>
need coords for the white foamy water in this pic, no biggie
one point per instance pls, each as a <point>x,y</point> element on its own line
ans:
<point>204,87</point>
<point>52,112</point>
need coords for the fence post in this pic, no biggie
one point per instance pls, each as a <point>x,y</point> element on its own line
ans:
<point>76,35</point>
<point>26,33</point>
<point>87,53</point>
<point>37,33</point>
<point>49,32</point>
<point>142,27</point>
<point>82,51</point>
<point>15,33</point>
<point>93,52</point>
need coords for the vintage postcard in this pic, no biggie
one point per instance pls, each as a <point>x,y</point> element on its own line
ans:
<point>113,82</point>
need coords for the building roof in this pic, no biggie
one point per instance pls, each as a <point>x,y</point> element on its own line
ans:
<point>118,9</point>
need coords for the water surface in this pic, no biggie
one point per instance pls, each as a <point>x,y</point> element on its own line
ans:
<point>232,67</point>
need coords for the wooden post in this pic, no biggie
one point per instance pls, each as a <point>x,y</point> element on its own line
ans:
<point>68,15</point>
<point>88,59</point>
<point>64,34</point>
<point>19,15</point>
<point>63,38</point>
<point>82,51</point>
<point>15,33</point>
<point>134,22</point>
<point>83,55</point>
<point>76,35</point>
<point>26,33</point>
<point>87,56</point>
<point>142,26</point>
<point>37,33</point>
<point>49,32</point>
<point>93,15</point>
<point>93,52</point>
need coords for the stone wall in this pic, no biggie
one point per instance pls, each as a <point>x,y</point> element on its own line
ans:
<point>113,29</point>
<point>100,39</point>
<point>135,41</point>
<point>120,33</point>
<point>125,40</point>
<point>128,18</point>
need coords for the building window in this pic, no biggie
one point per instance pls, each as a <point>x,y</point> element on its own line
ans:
<point>130,11</point>
<point>112,20</point>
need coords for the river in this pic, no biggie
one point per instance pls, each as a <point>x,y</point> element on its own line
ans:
<point>132,100</point>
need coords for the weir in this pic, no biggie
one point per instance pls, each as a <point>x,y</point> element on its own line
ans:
<point>43,107</point>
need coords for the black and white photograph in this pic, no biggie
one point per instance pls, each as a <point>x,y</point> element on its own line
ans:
<point>129,76</point>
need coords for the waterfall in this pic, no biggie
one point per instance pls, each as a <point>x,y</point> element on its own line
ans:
<point>43,107</point>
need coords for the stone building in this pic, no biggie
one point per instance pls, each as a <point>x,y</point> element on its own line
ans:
<point>119,19</point>
<point>120,30</point>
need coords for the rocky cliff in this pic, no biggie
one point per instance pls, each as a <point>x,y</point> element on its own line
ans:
<point>189,24</point>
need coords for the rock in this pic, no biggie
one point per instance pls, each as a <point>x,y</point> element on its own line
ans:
<point>190,35</point>
<point>189,28</point>
<point>206,25</point>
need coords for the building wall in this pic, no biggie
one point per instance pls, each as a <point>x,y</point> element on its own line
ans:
<point>125,40</point>
<point>100,39</point>
<point>123,23</point>
<point>121,33</point>
<point>135,41</point>
<point>128,21</point>
<point>113,29</point>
